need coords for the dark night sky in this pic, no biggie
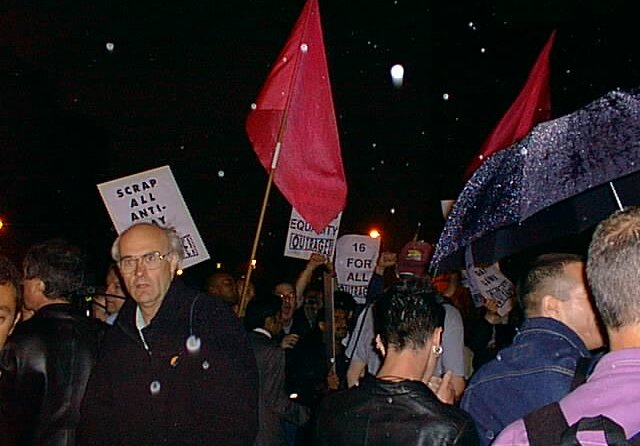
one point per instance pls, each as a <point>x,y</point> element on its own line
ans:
<point>177,86</point>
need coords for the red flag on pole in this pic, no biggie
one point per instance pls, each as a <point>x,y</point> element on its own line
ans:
<point>533,105</point>
<point>292,125</point>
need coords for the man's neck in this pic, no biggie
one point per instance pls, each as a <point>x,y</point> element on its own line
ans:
<point>624,337</point>
<point>406,364</point>
<point>46,301</point>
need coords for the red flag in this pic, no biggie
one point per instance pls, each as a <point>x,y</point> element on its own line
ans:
<point>295,109</point>
<point>533,105</point>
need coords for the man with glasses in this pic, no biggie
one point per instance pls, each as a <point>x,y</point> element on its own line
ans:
<point>177,367</point>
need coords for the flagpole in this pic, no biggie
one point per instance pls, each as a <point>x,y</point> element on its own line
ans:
<point>274,164</point>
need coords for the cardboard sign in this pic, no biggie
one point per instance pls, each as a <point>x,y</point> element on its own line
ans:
<point>302,240</point>
<point>356,257</point>
<point>488,282</point>
<point>153,196</point>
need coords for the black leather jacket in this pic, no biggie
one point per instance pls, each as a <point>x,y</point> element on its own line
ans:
<point>378,412</point>
<point>44,369</point>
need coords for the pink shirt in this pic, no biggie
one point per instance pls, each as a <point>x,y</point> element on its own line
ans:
<point>613,389</point>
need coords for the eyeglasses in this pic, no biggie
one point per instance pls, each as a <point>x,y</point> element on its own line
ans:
<point>286,296</point>
<point>151,260</point>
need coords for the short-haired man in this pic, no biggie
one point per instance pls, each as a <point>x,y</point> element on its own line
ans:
<point>539,367</point>
<point>10,298</point>
<point>222,285</point>
<point>613,388</point>
<point>397,406</point>
<point>176,368</point>
<point>46,362</point>
<point>411,265</point>
<point>263,320</point>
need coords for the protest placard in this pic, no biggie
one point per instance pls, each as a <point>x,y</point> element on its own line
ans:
<point>356,257</point>
<point>488,283</point>
<point>303,240</point>
<point>153,196</point>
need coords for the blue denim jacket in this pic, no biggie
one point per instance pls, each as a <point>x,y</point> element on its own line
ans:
<point>537,369</point>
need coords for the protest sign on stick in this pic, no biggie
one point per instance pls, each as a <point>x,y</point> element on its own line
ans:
<point>153,196</point>
<point>355,262</point>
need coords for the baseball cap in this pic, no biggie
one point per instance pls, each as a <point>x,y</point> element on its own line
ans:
<point>414,258</point>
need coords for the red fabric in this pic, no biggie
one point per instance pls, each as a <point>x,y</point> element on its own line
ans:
<point>297,97</point>
<point>533,105</point>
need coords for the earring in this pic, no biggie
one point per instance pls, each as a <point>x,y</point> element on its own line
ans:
<point>437,350</point>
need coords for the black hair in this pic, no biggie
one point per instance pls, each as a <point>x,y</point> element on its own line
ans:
<point>405,317</point>
<point>60,266</point>
<point>259,309</point>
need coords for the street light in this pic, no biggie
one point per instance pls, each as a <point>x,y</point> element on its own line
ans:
<point>374,233</point>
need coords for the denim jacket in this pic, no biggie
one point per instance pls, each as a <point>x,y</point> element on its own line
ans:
<point>537,369</point>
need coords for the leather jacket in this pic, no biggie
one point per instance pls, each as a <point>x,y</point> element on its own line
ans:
<point>44,369</point>
<point>378,412</point>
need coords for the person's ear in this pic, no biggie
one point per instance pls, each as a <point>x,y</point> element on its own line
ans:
<point>380,345</point>
<point>174,262</point>
<point>550,306</point>
<point>436,337</point>
<point>16,320</point>
<point>40,285</point>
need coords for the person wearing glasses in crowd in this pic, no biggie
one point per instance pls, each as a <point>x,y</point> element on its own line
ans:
<point>177,367</point>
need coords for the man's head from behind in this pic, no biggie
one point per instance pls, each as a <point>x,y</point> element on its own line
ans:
<point>407,318</point>
<point>613,269</point>
<point>555,287</point>
<point>53,271</point>
<point>264,312</point>
<point>10,298</point>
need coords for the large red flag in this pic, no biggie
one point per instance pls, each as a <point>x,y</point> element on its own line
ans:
<point>295,111</point>
<point>533,105</point>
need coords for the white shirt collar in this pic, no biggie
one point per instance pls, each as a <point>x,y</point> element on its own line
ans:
<point>140,324</point>
<point>263,331</point>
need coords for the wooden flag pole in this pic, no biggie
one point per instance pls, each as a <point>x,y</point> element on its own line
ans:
<point>274,163</point>
<point>329,316</point>
<point>243,298</point>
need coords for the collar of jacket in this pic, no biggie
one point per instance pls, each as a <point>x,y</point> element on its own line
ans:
<point>56,311</point>
<point>540,325</point>
<point>174,301</point>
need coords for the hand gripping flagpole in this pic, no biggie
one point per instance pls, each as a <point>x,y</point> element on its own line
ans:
<point>274,164</point>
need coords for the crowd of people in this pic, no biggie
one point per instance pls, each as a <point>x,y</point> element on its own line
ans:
<point>155,360</point>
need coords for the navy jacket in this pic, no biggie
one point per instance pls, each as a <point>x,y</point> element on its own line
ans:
<point>537,369</point>
<point>172,394</point>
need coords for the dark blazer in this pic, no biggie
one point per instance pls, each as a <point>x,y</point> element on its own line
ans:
<point>44,369</point>
<point>378,412</point>
<point>173,394</point>
<point>274,404</point>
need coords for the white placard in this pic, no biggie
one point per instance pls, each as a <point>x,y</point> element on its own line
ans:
<point>488,282</point>
<point>356,257</point>
<point>303,240</point>
<point>153,196</point>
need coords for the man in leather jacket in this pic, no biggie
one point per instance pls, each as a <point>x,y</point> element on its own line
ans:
<point>397,407</point>
<point>46,363</point>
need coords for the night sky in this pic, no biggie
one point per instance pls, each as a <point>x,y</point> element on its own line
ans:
<point>93,91</point>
